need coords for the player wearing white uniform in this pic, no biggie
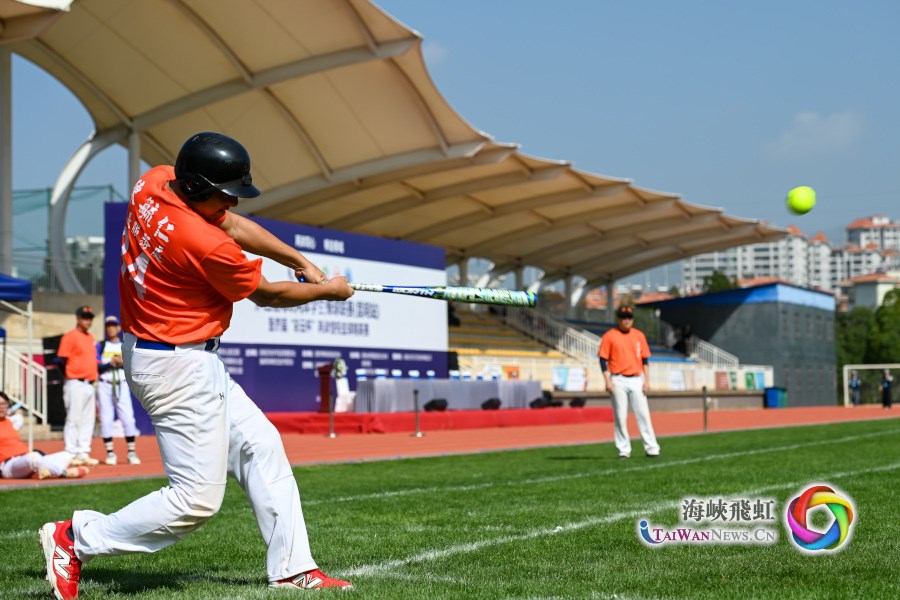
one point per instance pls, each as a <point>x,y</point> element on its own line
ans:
<point>77,360</point>
<point>182,270</point>
<point>624,356</point>
<point>113,395</point>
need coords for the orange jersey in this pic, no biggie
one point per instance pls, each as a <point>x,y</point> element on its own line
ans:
<point>180,275</point>
<point>625,352</point>
<point>77,347</point>
<point>10,442</point>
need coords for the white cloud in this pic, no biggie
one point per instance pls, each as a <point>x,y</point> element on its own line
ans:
<point>811,136</point>
<point>434,53</point>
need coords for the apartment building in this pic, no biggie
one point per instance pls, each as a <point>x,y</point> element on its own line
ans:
<point>878,231</point>
<point>873,246</point>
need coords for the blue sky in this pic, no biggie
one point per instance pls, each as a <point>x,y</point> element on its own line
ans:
<point>728,104</point>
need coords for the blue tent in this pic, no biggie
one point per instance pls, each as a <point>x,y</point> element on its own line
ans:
<point>14,290</point>
<point>19,290</point>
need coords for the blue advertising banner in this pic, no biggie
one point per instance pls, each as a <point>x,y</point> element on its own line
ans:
<point>274,353</point>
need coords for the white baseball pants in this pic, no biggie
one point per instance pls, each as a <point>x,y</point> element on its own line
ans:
<point>625,390</point>
<point>206,427</point>
<point>114,400</point>
<point>19,467</point>
<point>81,416</point>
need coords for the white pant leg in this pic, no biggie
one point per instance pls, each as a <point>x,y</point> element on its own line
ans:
<point>56,463</point>
<point>641,409</point>
<point>78,397</point>
<point>184,393</point>
<point>125,410</point>
<point>619,399</point>
<point>107,409</point>
<point>88,418</point>
<point>257,459</point>
<point>70,429</point>
<point>20,467</point>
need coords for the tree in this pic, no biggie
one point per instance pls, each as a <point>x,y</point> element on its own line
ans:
<point>884,336</point>
<point>852,331</point>
<point>674,291</point>
<point>717,282</point>
<point>863,336</point>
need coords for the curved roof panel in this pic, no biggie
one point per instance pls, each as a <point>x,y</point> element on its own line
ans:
<point>346,129</point>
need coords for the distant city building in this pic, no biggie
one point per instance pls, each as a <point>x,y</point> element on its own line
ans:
<point>873,247</point>
<point>868,291</point>
<point>878,231</point>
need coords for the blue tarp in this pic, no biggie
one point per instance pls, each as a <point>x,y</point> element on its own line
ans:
<point>14,290</point>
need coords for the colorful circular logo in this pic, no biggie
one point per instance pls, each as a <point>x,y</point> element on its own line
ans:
<point>836,535</point>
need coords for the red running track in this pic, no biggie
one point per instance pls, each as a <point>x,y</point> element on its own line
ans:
<point>317,449</point>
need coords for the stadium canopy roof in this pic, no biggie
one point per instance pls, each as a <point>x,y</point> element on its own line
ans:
<point>347,131</point>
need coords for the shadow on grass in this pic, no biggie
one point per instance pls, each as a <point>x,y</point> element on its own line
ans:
<point>134,583</point>
<point>582,457</point>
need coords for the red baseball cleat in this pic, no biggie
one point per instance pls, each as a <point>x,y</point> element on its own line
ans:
<point>311,580</point>
<point>63,567</point>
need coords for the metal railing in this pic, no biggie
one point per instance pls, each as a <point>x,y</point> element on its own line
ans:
<point>25,381</point>
<point>582,345</point>
<point>655,329</point>
<point>705,353</point>
<point>547,329</point>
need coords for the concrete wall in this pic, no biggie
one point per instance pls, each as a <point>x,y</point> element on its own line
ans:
<point>798,341</point>
<point>661,401</point>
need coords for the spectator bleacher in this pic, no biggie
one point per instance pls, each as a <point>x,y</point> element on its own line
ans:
<point>483,334</point>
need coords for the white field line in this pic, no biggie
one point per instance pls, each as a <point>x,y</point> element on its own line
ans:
<point>426,577</point>
<point>430,555</point>
<point>617,471</point>
<point>550,479</point>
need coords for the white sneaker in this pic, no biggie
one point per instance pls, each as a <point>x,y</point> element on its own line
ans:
<point>111,459</point>
<point>133,458</point>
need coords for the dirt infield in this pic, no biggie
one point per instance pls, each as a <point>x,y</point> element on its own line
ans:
<point>318,449</point>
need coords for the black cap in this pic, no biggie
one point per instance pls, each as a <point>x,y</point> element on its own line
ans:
<point>84,312</point>
<point>625,312</point>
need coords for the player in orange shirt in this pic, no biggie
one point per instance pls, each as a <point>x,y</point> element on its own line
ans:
<point>77,358</point>
<point>183,268</point>
<point>624,355</point>
<point>17,462</point>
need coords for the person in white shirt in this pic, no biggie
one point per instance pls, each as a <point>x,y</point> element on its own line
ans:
<point>113,395</point>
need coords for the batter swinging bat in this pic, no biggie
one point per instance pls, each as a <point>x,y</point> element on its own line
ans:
<point>457,294</point>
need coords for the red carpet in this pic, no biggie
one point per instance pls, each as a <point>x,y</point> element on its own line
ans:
<point>317,423</point>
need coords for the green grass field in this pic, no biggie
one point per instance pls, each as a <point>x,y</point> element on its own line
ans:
<point>548,523</point>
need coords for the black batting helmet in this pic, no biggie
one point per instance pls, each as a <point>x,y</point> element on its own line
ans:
<point>213,161</point>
